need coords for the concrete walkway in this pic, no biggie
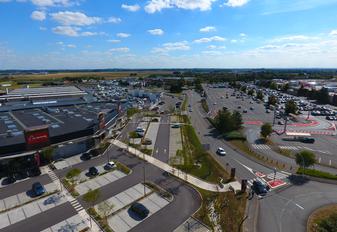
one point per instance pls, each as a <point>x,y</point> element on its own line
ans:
<point>235,185</point>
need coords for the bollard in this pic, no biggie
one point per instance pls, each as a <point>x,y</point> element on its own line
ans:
<point>232,173</point>
<point>243,185</point>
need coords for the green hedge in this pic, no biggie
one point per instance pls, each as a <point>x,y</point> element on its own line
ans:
<point>235,135</point>
<point>316,173</point>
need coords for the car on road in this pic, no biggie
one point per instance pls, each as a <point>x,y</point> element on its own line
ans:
<point>110,165</point>
<point>251,108</point>
<point>93,171</point>
<point>191,110</point>
<point>214,103</point>
<point>259,188</point>
<point>239,107</point>
<point>267,111</point>
<point>140,210</point>
<point>38,189</point>
<point>280,122</point>
<point>307,140</point>
<point>245,111</point>
<point>221,151</point>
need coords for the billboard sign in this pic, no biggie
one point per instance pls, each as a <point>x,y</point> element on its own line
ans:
<point>37,137</point>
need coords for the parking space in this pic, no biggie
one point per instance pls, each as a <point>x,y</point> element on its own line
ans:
<point>68,162</point>
<point>175,143</point>
<point>73,224</point>
<point>124,198</point>
<point>24,197</point>
<point>21,213</point>
<point>99,181</point>
<point>125,219</point>
<point>151,133</point>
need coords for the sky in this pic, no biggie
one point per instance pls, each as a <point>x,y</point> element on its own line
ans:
<point>98,34</point>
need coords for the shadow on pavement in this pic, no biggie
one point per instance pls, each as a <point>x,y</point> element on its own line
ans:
<point>298,180</point>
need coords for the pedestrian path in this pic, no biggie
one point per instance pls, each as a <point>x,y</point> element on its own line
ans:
<point>235,185</point>
<point>294,148</point>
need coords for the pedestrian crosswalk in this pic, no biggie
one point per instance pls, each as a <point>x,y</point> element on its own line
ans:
<point>277,176</point>
<point>261,147</point>
<point>52,176</point>
<point>78,207</point>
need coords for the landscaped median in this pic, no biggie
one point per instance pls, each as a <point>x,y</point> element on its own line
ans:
<point>316,173</point>
<point>79,182</point>
<point>114,214</point>
<point>323,219</point>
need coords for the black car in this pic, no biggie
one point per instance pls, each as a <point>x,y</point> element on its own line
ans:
<point>307,140</point>
<point>139,209</point>
<point>34,172</point>
<point>259,188</point>
<point>86,156</point>
<point>93,171</point>
<point>38,189</point>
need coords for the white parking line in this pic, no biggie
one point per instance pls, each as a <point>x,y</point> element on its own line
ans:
<point>299,206</point>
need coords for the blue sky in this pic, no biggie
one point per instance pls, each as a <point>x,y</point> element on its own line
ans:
<point>67,34</point>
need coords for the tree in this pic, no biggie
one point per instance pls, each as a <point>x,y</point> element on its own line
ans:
<point>75,172</point>
<point>237,120</point>
<point>272,100</point>
<point>285,87</point>
<point>260,95</point>
<point>91,198</point>
<point>305,158</point>
<point>47,154</point>
<point>273,85</point>
<point>243,88</point>
<point>198,86</point>
<point>323,96</point>
<point>176,88</point>
<point>266,130</point>
<point>251,92</point>
<point>291,107</point>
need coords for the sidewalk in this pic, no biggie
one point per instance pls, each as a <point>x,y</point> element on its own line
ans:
<point>235,185</point>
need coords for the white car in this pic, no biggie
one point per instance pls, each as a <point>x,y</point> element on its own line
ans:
<point>110,165</point>
<point>221,151</point>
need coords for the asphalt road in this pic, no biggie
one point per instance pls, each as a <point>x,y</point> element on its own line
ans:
<point>288,209</point>
<point>208,135</point>
<point>162,145</point>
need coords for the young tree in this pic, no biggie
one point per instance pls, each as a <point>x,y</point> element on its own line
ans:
<point>251,92</point>
<point>323,96</point>
<point>75,172</point>
<point>272,100</point>
<point>237,120</point>
<point>92,196</point>
<point>273,85</point>
<point>260,95</point>
<point>266,130</point>
<point>105,208</point>
<point>305,159</point>
<point>291,107</point>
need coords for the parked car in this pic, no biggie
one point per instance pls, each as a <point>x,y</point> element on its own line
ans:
<point>175,126</point>
<point>221,151</point>
<point>245,111</point>
<point>110,165</point>
<point>86,156</point>
<point>139,209</point>
<point>259,188</point>
<point>34,172</point>
<point>93,171</point>
<point>147,142</point>
<point>38,189</point>
<point>251,108</point>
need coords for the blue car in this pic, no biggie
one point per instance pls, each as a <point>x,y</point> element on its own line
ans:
<point>38,189</point>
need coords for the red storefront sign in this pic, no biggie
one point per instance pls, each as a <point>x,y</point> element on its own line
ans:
<point>37,137</point>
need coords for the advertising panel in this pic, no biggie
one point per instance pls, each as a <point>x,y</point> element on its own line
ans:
<point>37,137</point>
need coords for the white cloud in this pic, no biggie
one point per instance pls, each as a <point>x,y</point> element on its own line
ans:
<point>38,15</point>
<point>208,29</point>
<point>210,39</point>
<point>213,47</point>
<point>42,28</point>
<point>158,5</point>
<point>236,3</point>
<point>156,31</point>
<point>291,38</point>
<point>67,30</point>
<point>114,20</point>
<point>71,46</point>
<point>121,49</point>
<point>49,3</point>
<point>123,35</point>
<point>114,41</point>
<point>72,31</point>
<point>234,41</point>
<point>333,33</point>
<point>132,8</point>
<point>70,18</point>
<point>176,46</point>
<point>243,35</point>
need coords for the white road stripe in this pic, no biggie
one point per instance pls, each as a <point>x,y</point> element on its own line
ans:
<point>299,206</point>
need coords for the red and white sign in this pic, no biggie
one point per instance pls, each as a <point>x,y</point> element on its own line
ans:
<point>37,137</point>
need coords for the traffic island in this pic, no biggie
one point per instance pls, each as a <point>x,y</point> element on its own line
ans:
<point>323,219</point>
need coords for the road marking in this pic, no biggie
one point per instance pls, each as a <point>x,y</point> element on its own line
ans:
<point>319,159</point>
<point>330,162</point>
<point>164,150</point>
<point>299,206</point>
